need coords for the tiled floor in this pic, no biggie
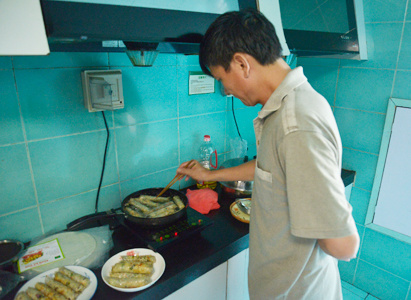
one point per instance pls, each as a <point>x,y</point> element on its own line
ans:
<point>351,292</point>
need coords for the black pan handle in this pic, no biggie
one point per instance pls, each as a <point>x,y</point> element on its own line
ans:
<point>81,222</point>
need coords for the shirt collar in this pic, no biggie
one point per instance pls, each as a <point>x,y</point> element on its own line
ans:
<point>293,79</point>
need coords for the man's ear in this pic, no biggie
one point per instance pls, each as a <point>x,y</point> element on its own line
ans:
<point>242,63</point>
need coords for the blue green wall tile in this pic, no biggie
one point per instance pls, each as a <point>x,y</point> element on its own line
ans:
<point>354,291</point>
<point>380,283</point>
<point>16,187</point>
<point>323,80</point>
<point>368,139</point>
<point>146,148</point>
<point>404,61</point>
<point>70,165</point>
<point>55,216</point>
<point>189,105</point>
<point>187,60</point>
<point>193,129</point>
<point>5,62</point>
<point>387,253</point>
<point>11,130</point>
<point>62,59</point>
<point>402,87</point>
<point>16,226</point>
<point>154,180</point>
<point>364,164</point>
<point>359,201</point>
<point>384,11</point>
<point>144,100</point>
<point>372,86</point>
<point>52,103</point>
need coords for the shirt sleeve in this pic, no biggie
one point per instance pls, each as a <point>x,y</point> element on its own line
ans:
<point>316,194</point>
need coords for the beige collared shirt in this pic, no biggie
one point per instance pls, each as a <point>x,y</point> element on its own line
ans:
<point>298,196</point>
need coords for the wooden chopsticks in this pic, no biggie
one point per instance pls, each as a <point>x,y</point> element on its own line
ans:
<point>176,178</point>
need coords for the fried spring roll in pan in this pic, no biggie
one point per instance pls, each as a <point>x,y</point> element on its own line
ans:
<point>67,281</point>
<point>61,288</point>
<point>22,296</point>
<point>49,292</point>
<point>76,277</point>
<point>177,200</point>
<point>36,294</point>
<point>127,282</point>
<point>139,258</point>
<point>128,267</point>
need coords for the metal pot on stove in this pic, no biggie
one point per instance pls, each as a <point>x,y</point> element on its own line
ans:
<point>239,188</point>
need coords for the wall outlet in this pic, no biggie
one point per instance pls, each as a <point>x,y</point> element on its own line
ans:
<point>102,90</point>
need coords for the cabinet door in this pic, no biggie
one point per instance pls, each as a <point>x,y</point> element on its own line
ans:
<point>22,28</point>
<point>211,285</point>
<point>237,280</point>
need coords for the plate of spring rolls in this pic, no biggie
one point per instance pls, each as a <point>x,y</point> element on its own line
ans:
<point>133,270</point>
<point>63,283</point>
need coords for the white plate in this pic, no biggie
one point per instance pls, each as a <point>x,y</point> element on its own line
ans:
<point>85,295</point>
<point>159,267</point>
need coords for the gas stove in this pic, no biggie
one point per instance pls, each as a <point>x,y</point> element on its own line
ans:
<point>160,237</point>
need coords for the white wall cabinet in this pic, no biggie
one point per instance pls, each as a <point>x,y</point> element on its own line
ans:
<point>22,30</point>
<point>226,281</point>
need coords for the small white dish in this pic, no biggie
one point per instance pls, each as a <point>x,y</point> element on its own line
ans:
<point>159,267</point>
<point>85,295</point>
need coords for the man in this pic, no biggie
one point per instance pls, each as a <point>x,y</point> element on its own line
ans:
<point>301,223</point>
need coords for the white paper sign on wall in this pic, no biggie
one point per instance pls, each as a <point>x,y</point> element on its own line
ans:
<point>200,83</point>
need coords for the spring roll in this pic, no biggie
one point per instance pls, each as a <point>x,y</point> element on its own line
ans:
<point>49,292</point>
<point>36,294</point>
<point>22,296</point>
<point>177,200</point>
<point>163,210</point>
<point>154,198</point>
<point>61,288</point>
<point>134,211</point>
<point>67,281</point>
<point>131,275</point>
<point>76,277</point>
<point>128,282</point>
<point>139,258</point>
<point>128,267</point>
<point>140,206</point>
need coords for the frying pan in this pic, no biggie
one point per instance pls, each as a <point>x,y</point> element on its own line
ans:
<point>143,222</point>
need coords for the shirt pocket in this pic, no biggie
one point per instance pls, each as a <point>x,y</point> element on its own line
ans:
<point>263,187</point>
<point>263,175</point>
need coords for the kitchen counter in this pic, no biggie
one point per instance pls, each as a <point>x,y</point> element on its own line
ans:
<point>188,259</point>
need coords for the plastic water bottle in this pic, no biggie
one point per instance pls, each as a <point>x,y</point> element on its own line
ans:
<point>206,152</point>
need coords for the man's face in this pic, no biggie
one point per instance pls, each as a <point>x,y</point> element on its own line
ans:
<point>233,82</point>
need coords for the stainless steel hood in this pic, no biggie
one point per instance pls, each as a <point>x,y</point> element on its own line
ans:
<point>79,26</point>
<point>89,25</point>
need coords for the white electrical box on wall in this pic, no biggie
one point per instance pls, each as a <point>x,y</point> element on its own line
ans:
<point>103,90</point>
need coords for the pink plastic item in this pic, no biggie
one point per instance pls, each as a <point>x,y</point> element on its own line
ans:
<point>203,200</point>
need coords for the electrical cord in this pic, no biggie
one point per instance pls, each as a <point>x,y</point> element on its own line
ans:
<point>104,162</point>
<point>235,120</point>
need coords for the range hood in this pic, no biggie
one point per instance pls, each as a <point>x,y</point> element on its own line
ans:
<point>110,25</point>
<point>90,26</point>
<point>327,28</point>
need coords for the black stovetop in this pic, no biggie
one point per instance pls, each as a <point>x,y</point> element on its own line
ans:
<point>161,237</point>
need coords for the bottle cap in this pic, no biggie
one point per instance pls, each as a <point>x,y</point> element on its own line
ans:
<point>207,138</point>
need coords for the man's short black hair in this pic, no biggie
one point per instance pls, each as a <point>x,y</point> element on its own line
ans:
<point>245,31</point>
